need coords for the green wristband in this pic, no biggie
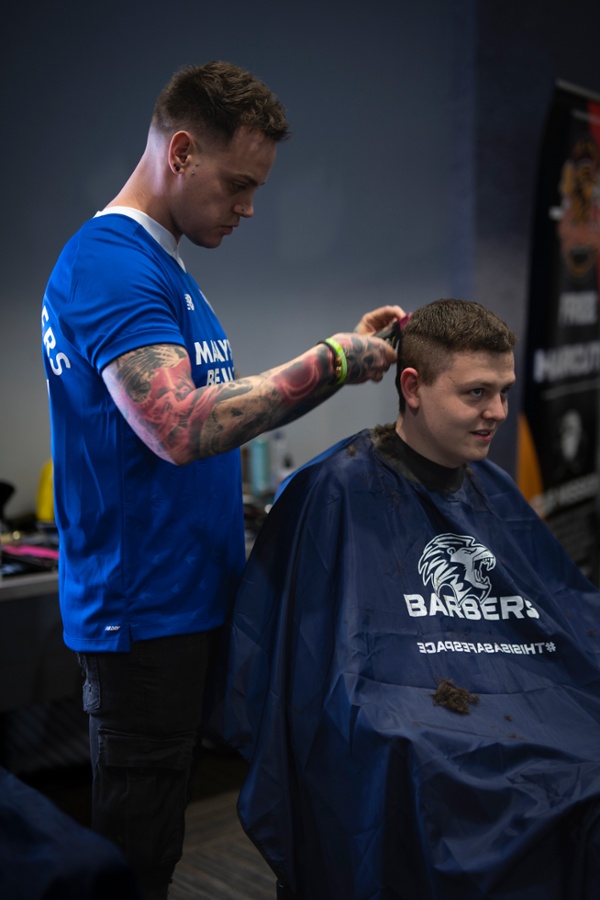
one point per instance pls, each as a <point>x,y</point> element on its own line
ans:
<point>341,363</point>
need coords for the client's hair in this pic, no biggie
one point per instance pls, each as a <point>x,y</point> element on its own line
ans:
<point>436,331</point>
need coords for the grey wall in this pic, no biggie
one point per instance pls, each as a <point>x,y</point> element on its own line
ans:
<point>409,175</point>
<point>352,217</point>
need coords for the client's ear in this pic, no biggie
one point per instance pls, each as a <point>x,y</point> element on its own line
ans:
<point>410,381</point>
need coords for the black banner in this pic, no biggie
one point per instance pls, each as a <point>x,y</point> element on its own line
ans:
<point>558,430</point>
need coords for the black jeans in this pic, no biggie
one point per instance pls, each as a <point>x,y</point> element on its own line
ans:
<point>144,711</point>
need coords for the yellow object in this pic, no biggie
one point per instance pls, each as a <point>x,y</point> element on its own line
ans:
<point>529,473</point>
<point>45,495</point>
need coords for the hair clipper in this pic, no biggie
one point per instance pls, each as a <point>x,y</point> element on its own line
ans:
<point>391,333</point>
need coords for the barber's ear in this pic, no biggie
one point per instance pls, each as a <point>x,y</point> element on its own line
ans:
<point>179,151</point>
<point>410,382</point>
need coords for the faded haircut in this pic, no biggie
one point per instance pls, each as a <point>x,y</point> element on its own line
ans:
<point>437,331</point>
<point>215,100</point>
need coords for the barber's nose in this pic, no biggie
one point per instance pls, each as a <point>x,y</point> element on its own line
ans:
<point>245,210</point>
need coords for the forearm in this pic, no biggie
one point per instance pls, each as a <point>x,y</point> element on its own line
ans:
<point>180,423</point>
<point>153,388</point>
<point>228,415</point>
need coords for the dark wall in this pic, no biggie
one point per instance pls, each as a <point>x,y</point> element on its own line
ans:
<point>353,215</point>
<point>521,50</point>
<point>410,174</point>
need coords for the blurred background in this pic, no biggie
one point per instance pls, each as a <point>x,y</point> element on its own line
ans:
<point>410,174</point>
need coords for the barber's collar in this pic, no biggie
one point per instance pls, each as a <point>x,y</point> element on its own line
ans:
<point>160,234</point>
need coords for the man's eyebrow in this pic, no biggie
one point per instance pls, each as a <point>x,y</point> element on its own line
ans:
<point>481,382</point>
<point>249,180</point>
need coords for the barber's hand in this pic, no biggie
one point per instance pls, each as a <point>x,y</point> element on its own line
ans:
<point>368,357</point>
<point>378,318</point>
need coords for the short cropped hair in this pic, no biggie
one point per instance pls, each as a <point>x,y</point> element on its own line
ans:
<point>437,331</point>
<point>215,100</point>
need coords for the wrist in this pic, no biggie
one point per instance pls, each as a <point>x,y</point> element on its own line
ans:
<point>340,363</point>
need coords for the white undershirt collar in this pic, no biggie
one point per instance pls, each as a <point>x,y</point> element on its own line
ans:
<point>154,229</point>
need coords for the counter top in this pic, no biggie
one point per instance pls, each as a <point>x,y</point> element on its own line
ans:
<point>16,587</point>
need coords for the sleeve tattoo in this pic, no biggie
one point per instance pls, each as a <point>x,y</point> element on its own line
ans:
<point>154,390</point>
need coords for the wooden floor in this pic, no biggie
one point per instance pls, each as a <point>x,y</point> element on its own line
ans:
<point>219,861</point>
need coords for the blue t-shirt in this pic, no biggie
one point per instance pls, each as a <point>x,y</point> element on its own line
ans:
<point>147,548</point>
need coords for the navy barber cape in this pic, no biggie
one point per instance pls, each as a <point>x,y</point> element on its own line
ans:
<point>368,608</point>
<point>46,855</point>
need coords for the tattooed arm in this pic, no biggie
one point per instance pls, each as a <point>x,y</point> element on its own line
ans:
<point>154,391</point>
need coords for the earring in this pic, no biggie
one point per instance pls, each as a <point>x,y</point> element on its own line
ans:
<point>177,168</point>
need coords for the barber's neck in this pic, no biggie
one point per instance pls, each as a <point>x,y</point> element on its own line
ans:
<point>145,189</point>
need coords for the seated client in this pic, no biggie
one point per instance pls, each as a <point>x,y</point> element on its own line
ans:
<point>412,661</point>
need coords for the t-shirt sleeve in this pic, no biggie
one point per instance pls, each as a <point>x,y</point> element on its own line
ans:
<point>122,296</point>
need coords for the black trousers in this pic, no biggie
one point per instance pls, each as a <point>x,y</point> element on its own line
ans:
<point>144,711</point>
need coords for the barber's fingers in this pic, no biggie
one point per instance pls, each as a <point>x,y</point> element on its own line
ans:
<point>379,318</point>
<point>368,358</point>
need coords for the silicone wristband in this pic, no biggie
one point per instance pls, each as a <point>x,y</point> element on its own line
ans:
<point>340,361</point>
